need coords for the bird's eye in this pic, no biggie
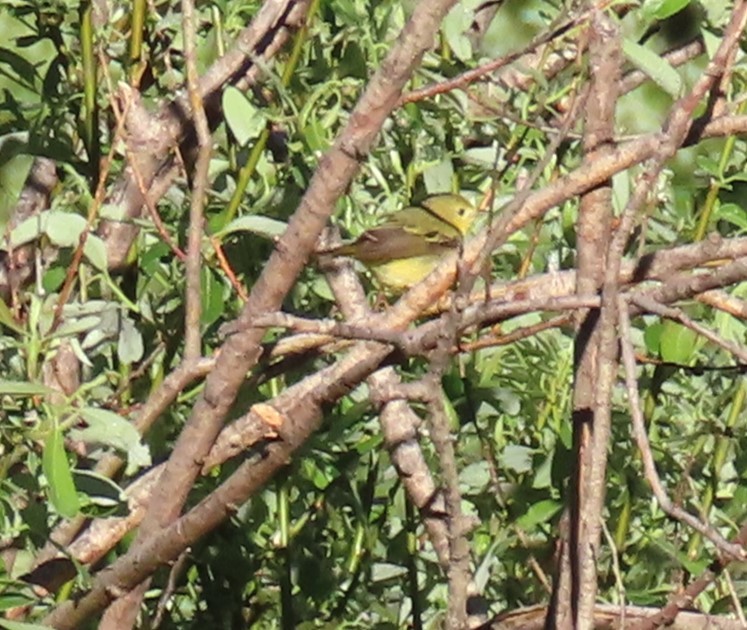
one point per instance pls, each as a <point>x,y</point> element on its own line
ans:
<point>462,211</point>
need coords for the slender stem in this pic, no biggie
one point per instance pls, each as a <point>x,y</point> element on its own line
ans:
<point>136,36</point>
<point>710,202</point>
<point>250,166</point>
<point>91,113</point>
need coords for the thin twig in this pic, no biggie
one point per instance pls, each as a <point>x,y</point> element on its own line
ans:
<point>242,350</point>
<point>676,314</point>
<point>174,574</point>
<point>130,99</point>
<point>329,327</point>
<point>93,210</point>
<point>723,301</point>
<point>673,134</point>
<point>228,270</point>
<point>193,302</point>
<point>649,466</point>
<point>480,72</point>
<point>619,579</point>
<point>523,332</point>
<point>683,599</point>
<point>734,596</point>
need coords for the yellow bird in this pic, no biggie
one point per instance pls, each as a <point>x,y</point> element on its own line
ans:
<point>410,243</point>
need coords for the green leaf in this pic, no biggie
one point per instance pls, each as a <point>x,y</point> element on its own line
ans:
<point>318,476</point>
<point>56,469</point>
<point>486,157</point>
<point>73,326</point>
<point>10,599</point>
<point>106,427</point>
<point>95,252</point>
<point>506,400</point>
<point>539,513</point>
<point>475,476</point>
<point>451,414</point>
<point>213,299</point>
<point>517,458</point>
<point>438,177</point>
<point>256,224</point>
<point>543,474</point>
<point>382,571</point>
<point>677,343</point>
<point>454,26</point>
<point>321,288</point>
<point>23,388</point>
<point>130,344</point>
<point>244,119</point>
<point>53,279</point>
<point>652,337</point>
<point>7,319</point>
<point>101,492</point>
<point>14,168</point>
<point>113,212</point>
<point>732,213</point>
<point>20,625</point>
<point>662,9</point>
<point>98,487</point>
<point>62,228</point>
<point>657,68</point>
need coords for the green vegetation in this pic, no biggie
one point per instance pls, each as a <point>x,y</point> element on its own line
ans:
<point>94,348</point>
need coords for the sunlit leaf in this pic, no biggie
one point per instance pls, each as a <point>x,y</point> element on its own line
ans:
<point>100,492</point>
<point>213,304</point>
<point>657,68</point>
<point>7,319</point>
<point>95,252</point>
<point>130,346</point>
<point>22,625</point>
<point>539,513</point>
<point>24,388</point>
<point>256,224</point>
<point>455,26</point>
<point>517,458</point>
<point>56,468</point>
<point>663,9</point>
<point>652,337</point>
<point>245,120</point>
<point>385,571</point>
<point>677,343</point>
<point>15,165</point>
<point>10,599</point>
<point>111,429</point>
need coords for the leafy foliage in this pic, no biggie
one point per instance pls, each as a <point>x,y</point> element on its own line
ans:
<point>333,540</point>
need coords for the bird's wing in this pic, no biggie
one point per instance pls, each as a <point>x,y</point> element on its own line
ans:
<point>391,242</point>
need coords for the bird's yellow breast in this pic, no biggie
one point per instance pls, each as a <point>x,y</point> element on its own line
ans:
<point>402,273</point>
